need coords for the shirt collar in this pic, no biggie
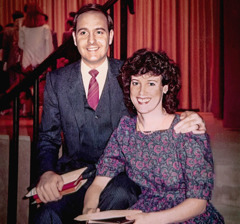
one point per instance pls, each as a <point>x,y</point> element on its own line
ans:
<point>102,69</point>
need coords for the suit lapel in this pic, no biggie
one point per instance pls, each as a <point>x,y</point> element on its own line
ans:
<point>76,93</point>
<point>77,97</point>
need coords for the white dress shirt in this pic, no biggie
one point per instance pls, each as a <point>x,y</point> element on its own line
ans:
<point>101,77</point>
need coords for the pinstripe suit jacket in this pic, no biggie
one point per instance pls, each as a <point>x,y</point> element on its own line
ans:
<point>63,112</point>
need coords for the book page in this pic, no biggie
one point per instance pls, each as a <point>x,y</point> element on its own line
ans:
<point>111,221</point>
<point>107,215</point>
<point>67,178</point>
<point>73,175</point>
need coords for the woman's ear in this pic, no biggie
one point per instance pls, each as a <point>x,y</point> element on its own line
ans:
<point>165,89</point>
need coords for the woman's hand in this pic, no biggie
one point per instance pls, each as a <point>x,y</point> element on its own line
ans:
<point>143,218</point>
<point>90,210</point>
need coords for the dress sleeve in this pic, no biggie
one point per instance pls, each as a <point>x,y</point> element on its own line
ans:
<point>112,162</point>
<point>197,164</point>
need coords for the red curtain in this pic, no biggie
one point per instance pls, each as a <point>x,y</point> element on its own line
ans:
<point>187,30</point>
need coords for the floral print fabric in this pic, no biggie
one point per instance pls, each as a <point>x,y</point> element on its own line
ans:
<point>168,167</point>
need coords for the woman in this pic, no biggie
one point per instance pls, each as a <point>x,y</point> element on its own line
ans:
<point>35,40</point>
<point>174,171</point>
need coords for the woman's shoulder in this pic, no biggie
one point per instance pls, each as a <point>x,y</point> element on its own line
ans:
<point>126,119</point>
<point>127,123</point>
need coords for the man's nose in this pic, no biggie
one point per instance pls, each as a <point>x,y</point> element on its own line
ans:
<point>91,38</point>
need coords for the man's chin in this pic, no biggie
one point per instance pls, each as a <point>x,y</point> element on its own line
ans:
<point>94,61</point>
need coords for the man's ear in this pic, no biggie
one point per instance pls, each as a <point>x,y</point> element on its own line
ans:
<point>74,38</point>
<point>165,89</point>
<point>111,34</point>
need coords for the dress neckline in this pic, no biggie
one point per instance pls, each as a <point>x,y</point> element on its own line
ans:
<point>174,121</point>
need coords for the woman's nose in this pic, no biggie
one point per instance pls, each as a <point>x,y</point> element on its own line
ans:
<point>142,90</point>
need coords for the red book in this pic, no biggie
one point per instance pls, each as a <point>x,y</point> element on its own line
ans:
<point>72,182</point>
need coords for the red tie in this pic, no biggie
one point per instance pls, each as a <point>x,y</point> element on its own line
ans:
<point>93,90</point>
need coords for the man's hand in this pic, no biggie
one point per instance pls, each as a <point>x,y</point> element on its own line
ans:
<point>190,121</point>
<point>49,186</point>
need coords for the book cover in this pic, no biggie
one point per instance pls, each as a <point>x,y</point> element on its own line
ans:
<point>72,182</point>
<point>111,221</point>
<point>108,217</point>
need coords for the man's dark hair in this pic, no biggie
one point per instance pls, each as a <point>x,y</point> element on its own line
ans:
<point>145,61</point>
<point>17,15</point>
<point>45,17</point>
<point>96,8</point>
<point>70,22</point>
<point>25,7</point>
<point>72,14</point>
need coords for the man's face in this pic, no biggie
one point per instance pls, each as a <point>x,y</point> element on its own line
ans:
<point>92,38</point>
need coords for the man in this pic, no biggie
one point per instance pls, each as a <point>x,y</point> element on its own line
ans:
<point>86,127</point>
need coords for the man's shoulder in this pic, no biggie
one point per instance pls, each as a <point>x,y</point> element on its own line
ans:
<point>115,62</point>
<point>115,66</point>
<point>64,72</point>
<point>67,68</point>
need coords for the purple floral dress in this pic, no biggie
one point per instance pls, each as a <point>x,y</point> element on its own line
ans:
<point>168,167</point>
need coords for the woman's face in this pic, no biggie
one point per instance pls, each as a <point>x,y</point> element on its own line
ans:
<point>146,92</point>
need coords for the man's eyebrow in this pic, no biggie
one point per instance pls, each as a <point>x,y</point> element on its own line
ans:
<point>100,28</point>
<point>80,29</point>
<point>84,28</point>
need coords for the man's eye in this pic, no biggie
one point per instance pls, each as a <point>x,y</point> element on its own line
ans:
<point>82,33</point>
<point>99,32</point>
<point>152,84</point>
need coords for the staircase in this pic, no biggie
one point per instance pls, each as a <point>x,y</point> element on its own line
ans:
<point>25,134</point>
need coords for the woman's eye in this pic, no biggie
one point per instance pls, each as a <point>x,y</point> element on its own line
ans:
<point>134,83</point>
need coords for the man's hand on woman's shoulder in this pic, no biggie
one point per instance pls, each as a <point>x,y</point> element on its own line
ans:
<point>190,121</point>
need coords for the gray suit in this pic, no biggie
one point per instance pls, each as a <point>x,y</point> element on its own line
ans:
<point>86,133</point>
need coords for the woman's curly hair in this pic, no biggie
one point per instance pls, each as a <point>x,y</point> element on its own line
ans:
<point>145,61</point>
